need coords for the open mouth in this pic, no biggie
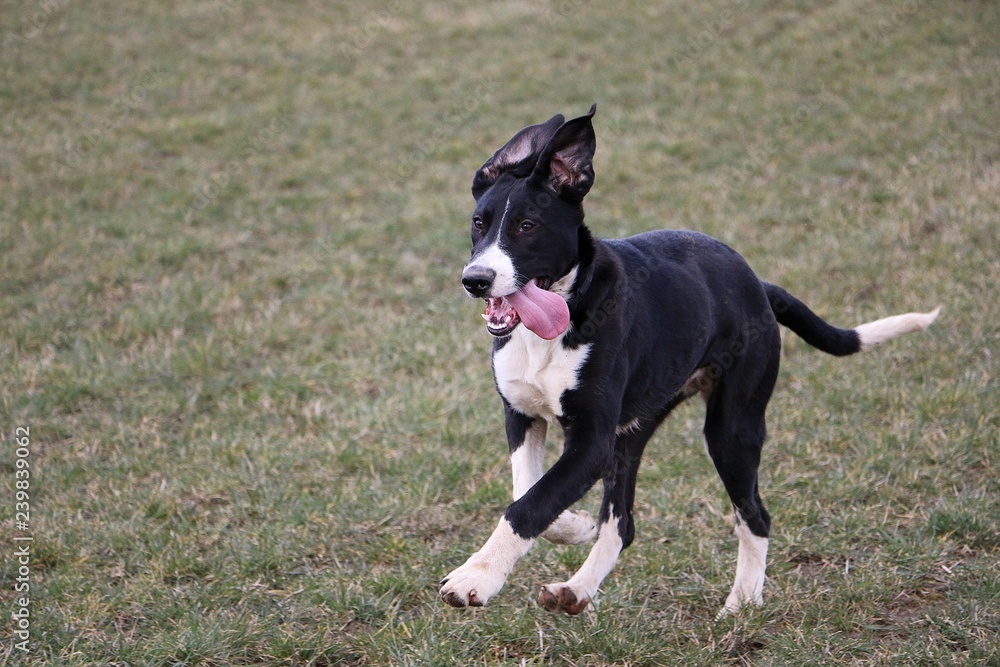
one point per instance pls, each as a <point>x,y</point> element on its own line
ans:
<point>501,317</point>
<point>543,312</point>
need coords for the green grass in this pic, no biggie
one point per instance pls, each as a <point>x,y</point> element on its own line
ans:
<point>262,420</point>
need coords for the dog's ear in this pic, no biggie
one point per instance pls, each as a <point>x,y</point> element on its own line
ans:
<point>517,155</point>
<point>566,164</point>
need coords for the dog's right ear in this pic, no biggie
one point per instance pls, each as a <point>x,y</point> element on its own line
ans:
<point>517,155</point>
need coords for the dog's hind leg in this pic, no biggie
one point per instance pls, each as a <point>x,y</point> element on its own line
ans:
<point>574,595</point>
<point>734,435</point>
<point>616,526</point>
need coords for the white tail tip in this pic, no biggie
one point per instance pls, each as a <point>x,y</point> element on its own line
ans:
<point>879,331</point>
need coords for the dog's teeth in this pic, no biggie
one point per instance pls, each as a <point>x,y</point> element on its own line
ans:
<point>486,317</point>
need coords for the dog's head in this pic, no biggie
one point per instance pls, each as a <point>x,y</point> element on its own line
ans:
<point>526,225</point>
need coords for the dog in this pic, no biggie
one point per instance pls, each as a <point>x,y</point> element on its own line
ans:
<point>603,338</point>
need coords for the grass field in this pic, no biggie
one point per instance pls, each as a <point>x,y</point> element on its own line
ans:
<point>261,423</point>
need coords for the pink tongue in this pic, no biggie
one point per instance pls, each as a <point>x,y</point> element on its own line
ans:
<point>541,311</point>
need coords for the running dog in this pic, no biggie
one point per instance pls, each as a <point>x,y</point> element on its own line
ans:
<point>603,338</point>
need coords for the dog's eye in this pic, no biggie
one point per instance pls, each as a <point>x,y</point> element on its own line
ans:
<point>478,224</point>
<point>526,226</point>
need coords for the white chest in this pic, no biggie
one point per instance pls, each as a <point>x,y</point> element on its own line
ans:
<point>532,373</point>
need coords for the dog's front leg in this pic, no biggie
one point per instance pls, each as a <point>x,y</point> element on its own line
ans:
<point>483,575</point>
<point>526,437</point>
<point>586,454</point>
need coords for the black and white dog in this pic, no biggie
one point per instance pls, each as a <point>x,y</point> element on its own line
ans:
<point>605,338</point>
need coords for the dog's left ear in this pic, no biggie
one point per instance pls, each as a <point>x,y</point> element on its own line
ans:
<point>566,164</point>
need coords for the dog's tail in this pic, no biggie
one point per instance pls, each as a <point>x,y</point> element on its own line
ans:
<point>795,315</point>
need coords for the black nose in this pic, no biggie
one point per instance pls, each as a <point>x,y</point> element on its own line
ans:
<point>478,280</point>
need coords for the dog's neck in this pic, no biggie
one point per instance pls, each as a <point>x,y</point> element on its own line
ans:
<point>585,267</point>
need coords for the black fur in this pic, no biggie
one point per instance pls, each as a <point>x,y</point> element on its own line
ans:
<point>794,314</point>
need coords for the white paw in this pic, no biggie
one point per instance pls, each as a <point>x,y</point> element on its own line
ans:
<point>483,575</point>
<point>472,584</point>
<point>738,600</point>
<point>572,527</point>
<point>567,597</point>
